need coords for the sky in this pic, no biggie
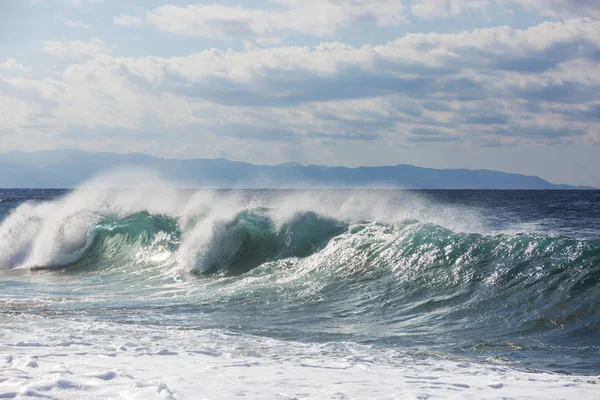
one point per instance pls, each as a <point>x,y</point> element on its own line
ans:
<point>510,85</point>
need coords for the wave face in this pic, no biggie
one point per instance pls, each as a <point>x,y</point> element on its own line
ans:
<point>236,246</point>
<point>386,268</point>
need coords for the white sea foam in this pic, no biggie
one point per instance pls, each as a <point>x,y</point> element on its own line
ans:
<point>69,359</point>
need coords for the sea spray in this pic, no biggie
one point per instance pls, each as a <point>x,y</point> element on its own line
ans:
<point>55,233</point>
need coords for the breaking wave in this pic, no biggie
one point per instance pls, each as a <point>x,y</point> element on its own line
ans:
<point>400,262</point>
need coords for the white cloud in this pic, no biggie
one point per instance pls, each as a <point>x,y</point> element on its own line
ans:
<point>428,9</point>
<point>126,20</point>
<point>82,3</point>
<point>15,114</point>
<point>382,12</point>
<point>12,64</point>
<point>75,23</point>
<point>491,49</point>
<point>321,18</point>
<point>509,41</point>
<point>211,21</point>
<point>76,49</point>
<point>73,3</point>
<point>560,8</point>
<point>498,86</point>
<point>312,17</point>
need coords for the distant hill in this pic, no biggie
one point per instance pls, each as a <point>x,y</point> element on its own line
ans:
<point>68,168</point>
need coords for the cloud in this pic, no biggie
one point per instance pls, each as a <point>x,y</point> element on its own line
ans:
<point>12,64</point>
<point>76,49</point>
<point>536,132</point>
<point>349,136</point>
<point>560,8</point>
<point>15,112</point>
<point>467,66</point>
<point>487,119</point>
<point>322,18</point>
<point>72,3</point>
<point>436,106</point>
<point>559,92</point>
<point>463,66</point>
<point>426,132</point>
<point>255,133</point>
<point>126,20</point>
<point>419,88</point>
<point>83,3</point>
<point>429,9</point>
<point>431,135</point>
<point>312,17</point>
<point>78,24</point>
<point>590,113</point>
<point>382,12</point>
<point>211,21</point>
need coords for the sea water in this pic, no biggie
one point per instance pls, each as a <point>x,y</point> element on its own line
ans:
<point>158,292</point>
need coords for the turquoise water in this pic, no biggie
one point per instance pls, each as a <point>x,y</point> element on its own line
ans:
<point>511,276</point>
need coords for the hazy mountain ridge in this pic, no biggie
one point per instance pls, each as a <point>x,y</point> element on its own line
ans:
<point>68,168</point>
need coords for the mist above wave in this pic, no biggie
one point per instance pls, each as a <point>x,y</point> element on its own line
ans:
<point>56,233</point>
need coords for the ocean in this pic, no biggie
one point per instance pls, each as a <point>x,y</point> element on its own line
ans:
<point>159,292</point>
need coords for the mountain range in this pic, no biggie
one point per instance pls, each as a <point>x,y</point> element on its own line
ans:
<point>69,168</point>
